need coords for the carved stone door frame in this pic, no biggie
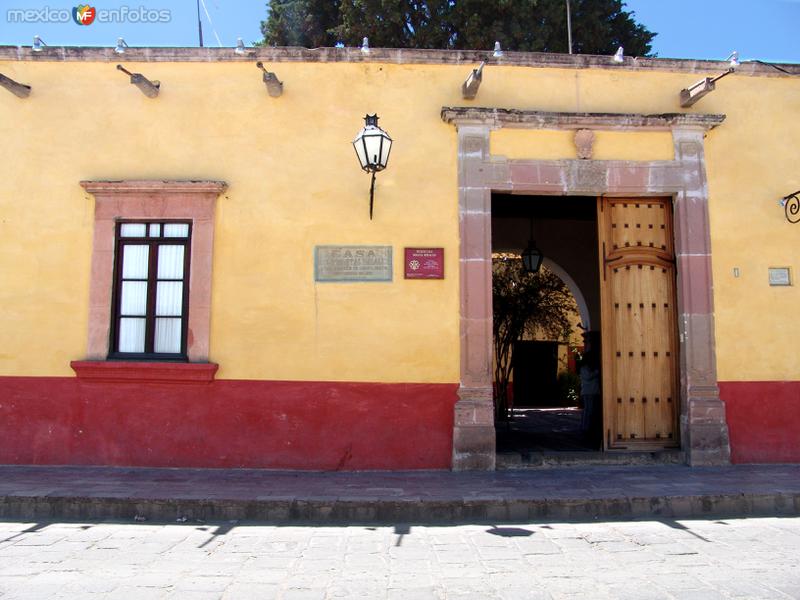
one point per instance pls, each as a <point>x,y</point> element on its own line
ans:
<point>704,431</point>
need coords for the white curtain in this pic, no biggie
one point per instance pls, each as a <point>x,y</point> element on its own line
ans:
<point>178,230</point>
<point>169,299</point>
<point>131,335</point>
<point>134,299</point>
<point>170,262</point>
<point>168,335</point>
<point>169,294</point>
<point>134,261</point>
<point>133,229</point>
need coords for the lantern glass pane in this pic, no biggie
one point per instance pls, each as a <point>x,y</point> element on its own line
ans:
<point>387,147</point>
<point>372,142</point>
<point>527,262</point>
<point>361,152</point>
<point>532,259</point>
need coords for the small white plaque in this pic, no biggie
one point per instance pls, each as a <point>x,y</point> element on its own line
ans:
<point>780,276</point>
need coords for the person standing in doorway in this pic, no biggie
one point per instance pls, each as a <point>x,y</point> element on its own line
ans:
<point>589,373</point>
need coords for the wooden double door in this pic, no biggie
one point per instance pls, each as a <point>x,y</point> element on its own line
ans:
<point>639,329</point>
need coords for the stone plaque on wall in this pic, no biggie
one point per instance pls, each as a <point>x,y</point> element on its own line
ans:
<point>352,263</point>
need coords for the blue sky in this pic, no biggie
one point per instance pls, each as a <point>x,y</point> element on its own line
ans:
<point>711,29</point>
<point>759,29</point>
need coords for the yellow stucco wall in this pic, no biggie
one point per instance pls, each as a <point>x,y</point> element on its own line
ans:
<point>294,183</point>
<point>548,144</point>
<point>752,161</point>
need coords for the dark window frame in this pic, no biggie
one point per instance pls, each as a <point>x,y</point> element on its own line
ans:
<point>152,278</point>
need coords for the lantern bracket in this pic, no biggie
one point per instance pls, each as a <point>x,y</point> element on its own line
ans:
<point>791,206</point>
<point>371,194</point>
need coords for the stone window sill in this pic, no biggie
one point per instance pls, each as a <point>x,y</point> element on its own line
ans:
<point>143,372</point>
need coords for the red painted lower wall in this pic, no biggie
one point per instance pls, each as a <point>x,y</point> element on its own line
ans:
<point>297,425</point>
<point>258,424</point>
<point>763,420</point>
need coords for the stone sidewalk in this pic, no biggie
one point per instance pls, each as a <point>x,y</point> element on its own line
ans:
<point>648,559</point>
<point>575,494</point>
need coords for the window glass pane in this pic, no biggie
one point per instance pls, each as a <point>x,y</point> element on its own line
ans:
<point>134,299</point>
<point>169,299</point>
<point>155,229</point>
<point>180,230</point>
<point>133,230</point>
<point>134,261</point>
<point>168,335</point>
<point>131,335</point>
<point>170,262</point>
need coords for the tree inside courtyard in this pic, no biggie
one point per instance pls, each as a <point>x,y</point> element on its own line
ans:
<point>524,304</point>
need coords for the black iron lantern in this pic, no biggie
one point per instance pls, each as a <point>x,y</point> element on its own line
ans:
<point>372,145</point>
<point>532,257</point>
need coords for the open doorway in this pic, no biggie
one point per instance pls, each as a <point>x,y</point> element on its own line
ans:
<point>539,409</point>
<point>574,388</point>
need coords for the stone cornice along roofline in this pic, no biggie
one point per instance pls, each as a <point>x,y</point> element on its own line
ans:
<point>534,119</point>
<point>386,55</point>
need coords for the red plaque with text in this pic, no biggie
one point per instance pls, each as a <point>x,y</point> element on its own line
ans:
<point>424,263</point>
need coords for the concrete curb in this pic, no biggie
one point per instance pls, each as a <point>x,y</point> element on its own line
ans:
<point>333,510</point>
<point>32,493</point>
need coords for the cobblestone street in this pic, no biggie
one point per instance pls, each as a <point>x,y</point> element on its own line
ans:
<point>692,559</point>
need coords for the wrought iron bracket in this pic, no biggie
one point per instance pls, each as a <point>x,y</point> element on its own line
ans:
<point>791,207</point>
